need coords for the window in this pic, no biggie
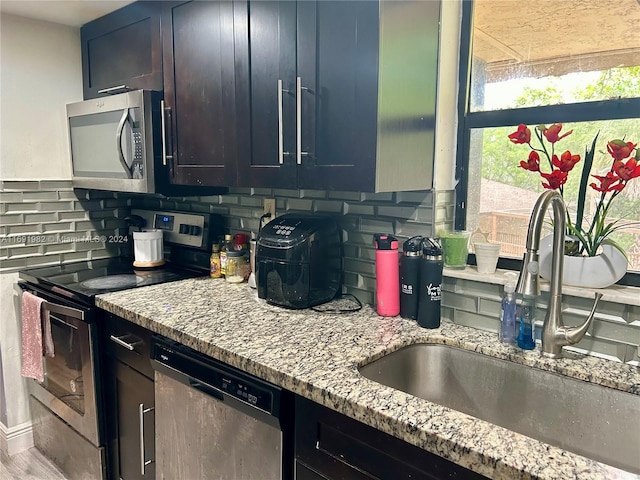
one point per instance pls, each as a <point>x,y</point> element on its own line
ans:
<point>537,64</point>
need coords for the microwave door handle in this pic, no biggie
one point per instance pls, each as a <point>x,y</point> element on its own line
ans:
<point>123,162</point>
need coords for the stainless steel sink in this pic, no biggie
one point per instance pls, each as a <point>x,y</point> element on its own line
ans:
<point>594,421</point>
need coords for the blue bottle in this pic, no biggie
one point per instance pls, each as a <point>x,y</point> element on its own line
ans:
<point>526,316</point>
<point>508,330</point>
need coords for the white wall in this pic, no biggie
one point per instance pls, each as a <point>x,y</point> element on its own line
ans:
<point>40,72</point>
<point>16,412</point>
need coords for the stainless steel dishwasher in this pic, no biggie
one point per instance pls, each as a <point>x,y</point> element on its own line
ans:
<point>216,422</point>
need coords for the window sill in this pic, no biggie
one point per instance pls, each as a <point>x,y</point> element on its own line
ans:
<point>615,293</point>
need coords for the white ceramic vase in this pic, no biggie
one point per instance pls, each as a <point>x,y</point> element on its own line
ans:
<point>600,271</point>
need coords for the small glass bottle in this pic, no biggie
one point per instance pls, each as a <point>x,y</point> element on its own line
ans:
<point>508,324</point>
<point>235,267</point>
<point>526,308</point>
<point>227,246</point>
<point>215,270</point>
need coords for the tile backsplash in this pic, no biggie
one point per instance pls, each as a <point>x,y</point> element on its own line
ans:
<point>403,214</point>
<point>48,222</point>
<point>614,333</point>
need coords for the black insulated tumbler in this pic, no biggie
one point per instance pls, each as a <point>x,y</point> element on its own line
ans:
<point>430,284</point>
<point>410,277</point>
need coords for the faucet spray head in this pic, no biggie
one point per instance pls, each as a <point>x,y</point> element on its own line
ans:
<point>528,281</point>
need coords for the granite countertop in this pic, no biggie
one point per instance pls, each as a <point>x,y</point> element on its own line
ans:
<point>317,356</point>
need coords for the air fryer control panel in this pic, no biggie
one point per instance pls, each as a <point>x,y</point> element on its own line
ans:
<point>284,230</point>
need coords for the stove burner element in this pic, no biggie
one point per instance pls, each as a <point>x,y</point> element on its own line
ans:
<point>113,281</point>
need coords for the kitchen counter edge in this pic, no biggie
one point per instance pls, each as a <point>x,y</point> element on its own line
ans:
<point>317,355</point>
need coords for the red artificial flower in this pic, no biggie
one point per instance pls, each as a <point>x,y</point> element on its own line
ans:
<point>552,132</point>
<point>533,163</point>
<point>556,179</point>
<point>620,150</point>
<point>608,183</point>
<point>566,162</point>
<point>522,135</point>
<point>627,171</point>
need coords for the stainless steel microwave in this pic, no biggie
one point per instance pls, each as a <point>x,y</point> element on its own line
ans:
<point>115,142</point>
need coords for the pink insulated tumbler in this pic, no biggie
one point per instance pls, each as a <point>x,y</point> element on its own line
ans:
<point>387,275</point>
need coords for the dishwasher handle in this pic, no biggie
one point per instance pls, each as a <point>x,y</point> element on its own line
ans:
<point>215,379</point>
<point>206,389</point>
<point>188,380</point>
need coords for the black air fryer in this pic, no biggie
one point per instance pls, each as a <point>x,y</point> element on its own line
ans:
<point>299,260</point>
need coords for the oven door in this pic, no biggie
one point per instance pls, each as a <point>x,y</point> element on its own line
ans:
<point>70,377</point>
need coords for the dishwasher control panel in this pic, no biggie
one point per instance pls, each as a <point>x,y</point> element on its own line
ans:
<point>245,392</point>
<point>213,377</point>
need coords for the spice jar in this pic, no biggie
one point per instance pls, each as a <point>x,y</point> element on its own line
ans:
<point>235,267</point>
<point>214,262</point>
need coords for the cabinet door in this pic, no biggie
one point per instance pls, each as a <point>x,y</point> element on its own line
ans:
<point>122,51</point>
<point>199,80</point>
<point>266,78</point>
<point>336,447</point>
<point>338,67</point>
<point>135,402</point>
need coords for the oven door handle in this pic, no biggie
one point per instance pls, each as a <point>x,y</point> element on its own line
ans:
<point>62,310</point>
<point>20,288</point>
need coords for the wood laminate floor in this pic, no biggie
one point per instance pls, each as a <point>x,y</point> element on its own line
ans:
<point>29,465</point>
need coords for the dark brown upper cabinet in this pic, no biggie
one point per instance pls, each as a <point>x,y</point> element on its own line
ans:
<point>265,81</point>
<point>199,92</point>
<point>336,95</point>
<point>122,51</point>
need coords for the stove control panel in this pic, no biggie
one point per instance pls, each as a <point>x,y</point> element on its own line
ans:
<point>187,229</point>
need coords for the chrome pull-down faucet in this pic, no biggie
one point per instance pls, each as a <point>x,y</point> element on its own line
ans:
<point>555,334</point>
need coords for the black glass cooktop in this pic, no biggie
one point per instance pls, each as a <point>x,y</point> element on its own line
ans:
<point>82,281</point>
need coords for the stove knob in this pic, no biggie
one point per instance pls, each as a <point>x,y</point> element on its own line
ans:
<point>195,230</point>
<point>184,229</point>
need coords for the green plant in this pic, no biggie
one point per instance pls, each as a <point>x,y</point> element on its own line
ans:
<point>623,168</point>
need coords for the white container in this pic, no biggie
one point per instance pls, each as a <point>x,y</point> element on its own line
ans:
<point>486,256</point>
<point>148,249</point>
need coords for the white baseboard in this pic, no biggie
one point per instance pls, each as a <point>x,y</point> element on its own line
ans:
<point>16,439</point>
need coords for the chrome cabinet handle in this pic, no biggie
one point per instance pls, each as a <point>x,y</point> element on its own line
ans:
<point>299,152</point>
<point>113,89</point>
<point>143,457</point>
<point>163,126</point>
<point>129,346</point>
<point>281,152</point>
<point>119,131</point>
